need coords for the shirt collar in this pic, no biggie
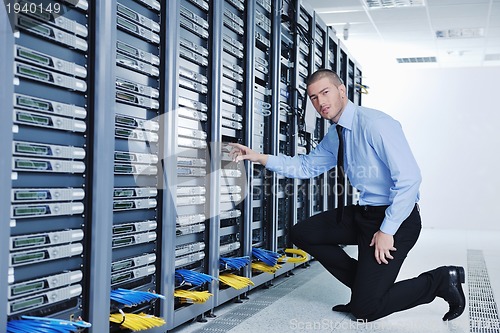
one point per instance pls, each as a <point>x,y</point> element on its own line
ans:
<point>347,117</point>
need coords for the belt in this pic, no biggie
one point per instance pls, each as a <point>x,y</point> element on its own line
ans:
<point>373,208</point>
<point>378,208</point>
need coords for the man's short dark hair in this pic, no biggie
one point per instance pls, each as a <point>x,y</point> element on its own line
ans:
<point>325,72</point>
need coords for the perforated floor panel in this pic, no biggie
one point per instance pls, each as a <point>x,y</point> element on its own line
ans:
<point>231,319</point>
<point>483,311</point>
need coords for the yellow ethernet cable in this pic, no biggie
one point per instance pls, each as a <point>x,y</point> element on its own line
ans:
<point>136,322</point>
<point>235,281</point>
<point>188,296</point>
<point>302,256</point>
<point>260,266</point>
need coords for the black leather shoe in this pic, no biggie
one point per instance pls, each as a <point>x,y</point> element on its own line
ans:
<point>342,308</point>
<point>455,295</point>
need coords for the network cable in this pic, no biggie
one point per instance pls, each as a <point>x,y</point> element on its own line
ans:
<point>185,276</point>
<point>235,281</point>
<point>268,257</point>
<point>302,256</point>
<point>132,297</point>
<point>234,263</point>
<point>260,266</point>
<point>192,296</point>
<point>30,324</point>
<point>136,322</point>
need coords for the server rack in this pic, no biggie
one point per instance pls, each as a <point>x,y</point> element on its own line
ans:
<point>6,93</point>
<point>304,32</point>
<point>319,188</point>
<point>358,84</point>
<point>348,70</point>
<point>49,224</point>
<point>194,122</point>
<point>359,90</point>
<point>276,115</point>
<point>169,124</point>
<point>263,44</point>
<point>233,123</point>
<point>135,220</point>
<point>168,175</point>
<point>286,188</point>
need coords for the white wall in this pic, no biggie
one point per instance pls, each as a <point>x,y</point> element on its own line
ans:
<point>451,117</point>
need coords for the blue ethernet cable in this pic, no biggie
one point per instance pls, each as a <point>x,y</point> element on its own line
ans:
<point>192,277</point>
<point>266,256</point>
<point>234,263</point>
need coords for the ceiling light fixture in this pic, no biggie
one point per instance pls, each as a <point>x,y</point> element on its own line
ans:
<point>376,4</point>
<point>460,33</point>
<point>415,60</point>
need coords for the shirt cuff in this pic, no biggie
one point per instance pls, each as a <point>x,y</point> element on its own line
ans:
<point>389,227</point>
<point>272,162</point>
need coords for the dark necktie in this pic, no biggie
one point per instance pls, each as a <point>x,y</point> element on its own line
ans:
<point>340,175</point>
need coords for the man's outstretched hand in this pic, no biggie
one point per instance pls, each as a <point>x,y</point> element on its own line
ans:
<point>241,152</point>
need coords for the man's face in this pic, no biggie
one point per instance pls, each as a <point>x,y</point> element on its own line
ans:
<point>327,99</point>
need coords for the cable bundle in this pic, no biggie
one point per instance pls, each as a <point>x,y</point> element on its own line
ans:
<point>302,256</point>
<point>191,296</point>
<point>183,276</point>
<point>270,258</point>
<point>132,297</point>
<point>31,324</point>
<point>260,266</point>
<point>136,322</point>
<point>234,263</point>
<point>235,281</point>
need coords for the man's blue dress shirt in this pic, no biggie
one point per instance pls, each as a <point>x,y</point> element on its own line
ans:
<point>378,162</point>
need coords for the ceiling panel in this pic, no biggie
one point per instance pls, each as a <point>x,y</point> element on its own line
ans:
<point>456,23</point>
<point>495,15</point>
<point>493,32</point>
<point>398,14</point>
<point>432,3</point>
<point>470,43</point>
<point>462,11</point>
<point>411,36</point>
<point>407,28</point>
<point>356,29</point>
<point>320,5</point>
<point>329,18</point>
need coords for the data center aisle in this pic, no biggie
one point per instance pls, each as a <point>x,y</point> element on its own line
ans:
<point>302,303</point>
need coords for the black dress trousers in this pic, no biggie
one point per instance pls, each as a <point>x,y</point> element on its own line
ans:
<point>373,291</point>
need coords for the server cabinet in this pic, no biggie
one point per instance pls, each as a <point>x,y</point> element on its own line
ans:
<point>348,74</point>
<point>135,223</point>
<point>358,84</point>
<point>304,30</point>
<point>319,188</point>
<point>286,188</point>
<point>262,182</point>
<point>6,93</point>
<point>231,125</point>
<point>50,162</point>
<point>343,65</point>
<point>192,122</point>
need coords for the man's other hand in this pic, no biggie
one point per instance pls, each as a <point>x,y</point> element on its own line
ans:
<point>384,244</point>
